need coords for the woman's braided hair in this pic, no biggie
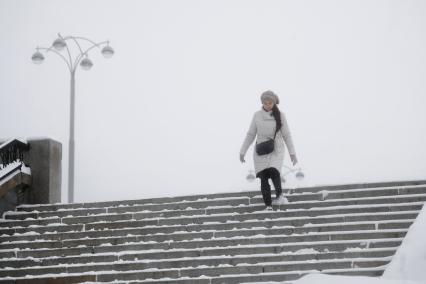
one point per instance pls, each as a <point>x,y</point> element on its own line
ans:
<point>277,115</point>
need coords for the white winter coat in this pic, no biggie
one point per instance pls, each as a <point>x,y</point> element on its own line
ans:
<point>263,125</point>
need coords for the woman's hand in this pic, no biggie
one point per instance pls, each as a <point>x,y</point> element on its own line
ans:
<point>293,159</point>
<point>242,158</point>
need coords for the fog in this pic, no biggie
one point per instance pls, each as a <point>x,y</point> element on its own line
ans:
<point>167,114</point>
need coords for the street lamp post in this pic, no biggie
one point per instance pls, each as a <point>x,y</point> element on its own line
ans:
<point>299,174</point>
<point>83,60</point>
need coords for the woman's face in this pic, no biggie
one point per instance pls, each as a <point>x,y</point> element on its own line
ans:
<point>268,104</point>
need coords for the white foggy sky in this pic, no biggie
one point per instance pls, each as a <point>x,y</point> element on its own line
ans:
<point>167,115</point>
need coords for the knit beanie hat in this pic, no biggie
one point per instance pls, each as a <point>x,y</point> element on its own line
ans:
<point>269,95</point>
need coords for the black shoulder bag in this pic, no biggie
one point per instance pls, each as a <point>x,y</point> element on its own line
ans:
<point>266,147</point>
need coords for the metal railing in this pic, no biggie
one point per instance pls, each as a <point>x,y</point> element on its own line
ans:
<point>15,178</point>
<point>12,151</point>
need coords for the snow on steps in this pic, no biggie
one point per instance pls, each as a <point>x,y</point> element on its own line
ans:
<point>218,238</point>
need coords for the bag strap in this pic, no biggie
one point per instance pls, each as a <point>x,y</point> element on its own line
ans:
<point>275,132</point>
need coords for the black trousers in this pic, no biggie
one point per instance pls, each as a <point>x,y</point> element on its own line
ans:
<point>275,176</point>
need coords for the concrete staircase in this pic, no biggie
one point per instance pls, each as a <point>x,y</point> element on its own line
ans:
<point>217,238</point>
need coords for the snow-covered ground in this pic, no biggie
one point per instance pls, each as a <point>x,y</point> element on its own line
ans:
<point>408,266</point>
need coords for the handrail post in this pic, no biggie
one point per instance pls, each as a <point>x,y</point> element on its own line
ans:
<point>45,161</point>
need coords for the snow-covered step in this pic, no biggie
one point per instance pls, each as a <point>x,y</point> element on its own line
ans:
<point>217,242</point>
<point>228,216</point>
<point>163,200</point>
<point>149,234</point>
<point>144,227</point>
<point>245,221</point>
<point>217,209</point>
<point>104,238</point>
<point>199,266</point>
<point>192,258</point>
<point>290,208</point>
<point>95,242</point>
<point>218,238</point>
<point>250,278</point>
<point>271,277</point>
<point>144,212</point>
<point>164,253</point>
<point>292,275</point>
<point>234,274</point>
<point>240,198</point>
